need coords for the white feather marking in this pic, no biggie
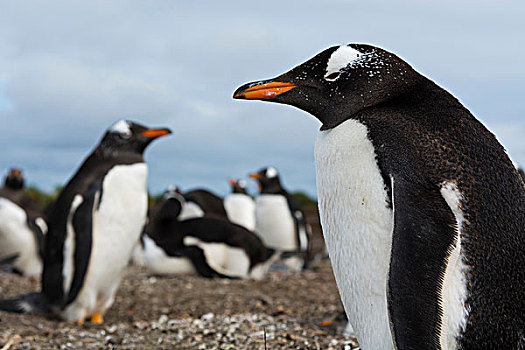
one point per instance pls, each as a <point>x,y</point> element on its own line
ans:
<point>454,290</point>
<point>357,226</point>
<point>17,238</point>
<point>271,172</point>
<point>121,127</point>
<point>42,224</point>
<point>341,58</point>
<point>190,210</point>
<point>69,245</point>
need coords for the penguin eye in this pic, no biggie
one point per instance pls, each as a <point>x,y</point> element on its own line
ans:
<point>332,76</point>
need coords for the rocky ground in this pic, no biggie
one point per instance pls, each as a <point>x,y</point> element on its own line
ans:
<point>283,311</point>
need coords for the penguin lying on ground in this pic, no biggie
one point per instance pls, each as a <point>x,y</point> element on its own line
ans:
<point>280,222</point>
<point>93,227</point>
<point>422,210</point>
<point>208,246</point>
<point>187,210</point>
<point>239,206</point>
<point>22,227</point>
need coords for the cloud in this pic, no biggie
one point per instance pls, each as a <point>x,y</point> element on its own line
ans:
<point>70,69</point>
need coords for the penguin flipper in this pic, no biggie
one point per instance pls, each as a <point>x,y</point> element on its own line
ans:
<point>423,234</point>
<point>198,259</point>
<point>82,222</point>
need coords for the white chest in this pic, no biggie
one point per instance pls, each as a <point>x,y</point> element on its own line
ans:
<point>274,223</point>
<point>357,226</point>
<point>17,238</point>
<point>240,209</point>
<point>122,212</point>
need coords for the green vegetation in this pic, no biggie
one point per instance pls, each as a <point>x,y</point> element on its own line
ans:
<point>304,200</point>
<point>42,198</point>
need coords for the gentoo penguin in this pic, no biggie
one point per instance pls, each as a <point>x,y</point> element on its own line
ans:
<point>239,206</point>
<point>206,246</point>
<point>22,226</point>
<point>93,227</point>
<point>279,220</point>
<point>422,210</point>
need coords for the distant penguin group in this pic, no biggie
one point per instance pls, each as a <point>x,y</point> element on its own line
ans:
<point>207,246</point>
<point>423,212</point>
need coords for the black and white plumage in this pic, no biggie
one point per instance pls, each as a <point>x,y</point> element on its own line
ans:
<point>422,210</point>
<point>211,204</point>
<point>93,226</point>
<point>280,221</point>
<point>206,246</point>
<point>22,226</point>
<point>239,206</point>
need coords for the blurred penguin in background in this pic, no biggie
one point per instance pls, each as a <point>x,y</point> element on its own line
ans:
<point>22,227</point>
<point>279,220</point>
<point>207,246</point>
<point>239,206</point>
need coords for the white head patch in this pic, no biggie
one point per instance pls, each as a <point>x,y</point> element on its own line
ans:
<point>271,172</point>
<point>341,58</point>
<point>121,127</point>
<point>241,183</point>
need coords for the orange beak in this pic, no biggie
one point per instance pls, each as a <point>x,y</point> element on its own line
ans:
<point>254,176</point>
<point>232,182</point>
<point>154,133</point>
<point>262,90</point>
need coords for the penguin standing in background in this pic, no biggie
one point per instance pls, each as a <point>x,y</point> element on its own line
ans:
<point>239,206</point>
<point>280,222</point>
<point>207,246</point>
<point>422,210</point>
<point>22,227</point>
<point>93,227</point>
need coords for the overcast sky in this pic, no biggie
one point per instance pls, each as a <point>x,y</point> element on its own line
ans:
<point>69,69</point>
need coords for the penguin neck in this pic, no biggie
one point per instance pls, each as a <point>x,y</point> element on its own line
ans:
<point>417,95</point>
<point>273,187</point>
<point>239,190</point>
<point>118,156</point>
<point>15,195</point>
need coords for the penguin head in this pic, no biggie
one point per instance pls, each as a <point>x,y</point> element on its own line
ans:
<point>14,179</point>
<point>238,186</point>
<point>129,137</point>
<point>268,180</point>
<point>336,83</point>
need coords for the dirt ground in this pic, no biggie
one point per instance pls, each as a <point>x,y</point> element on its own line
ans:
<point>283,311</point>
